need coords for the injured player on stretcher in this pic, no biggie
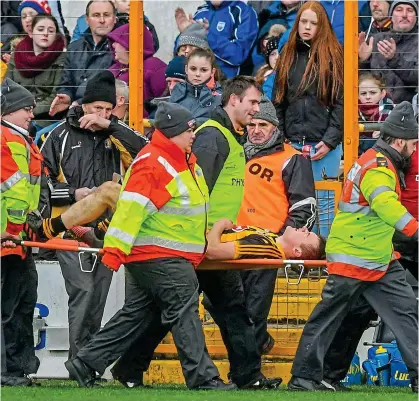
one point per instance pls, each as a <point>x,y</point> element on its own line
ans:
<point>225,240</point>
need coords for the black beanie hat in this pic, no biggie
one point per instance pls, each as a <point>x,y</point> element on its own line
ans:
<point>172,119</point>
<point>100,88</point>
<point>14,97</point>
<point>401,122</point>
<point>271,45</point>
<point>176,68</point>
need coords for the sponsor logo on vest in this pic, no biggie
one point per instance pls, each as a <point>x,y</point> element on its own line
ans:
<point>257,169</point>
<point>237,182</point>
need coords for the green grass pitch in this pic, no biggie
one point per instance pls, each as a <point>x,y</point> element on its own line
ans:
<point>55,390</point>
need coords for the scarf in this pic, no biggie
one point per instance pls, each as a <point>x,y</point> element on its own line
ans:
<point>375,112</point>
<point>250,149</point>
<point>28,64</point>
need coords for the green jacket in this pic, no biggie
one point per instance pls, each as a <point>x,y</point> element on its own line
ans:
<point>360,240</point>
<point>42,86</point>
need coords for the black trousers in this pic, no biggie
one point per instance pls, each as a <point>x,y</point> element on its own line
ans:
<point>87,294</point>
<point>225,291</point>
<point>340,353</point>
<point>163,292</point>
<point>259,288</point>
<point>19,283</point>
<point>391,297</point>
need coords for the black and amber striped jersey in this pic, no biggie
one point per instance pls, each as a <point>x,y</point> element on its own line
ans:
<point>253,243</point>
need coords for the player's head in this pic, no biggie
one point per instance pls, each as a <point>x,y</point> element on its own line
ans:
<point>302,244</point>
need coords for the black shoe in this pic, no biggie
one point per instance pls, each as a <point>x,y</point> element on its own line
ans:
<point>269,344</point>
<point>80,372</point>
<point>414,384</point>
<point>339,386</point>
<point>263,384</point>
<point>300,384</point>
<point>216,384</point>
<point>16,381</point>
<point>125,381</point>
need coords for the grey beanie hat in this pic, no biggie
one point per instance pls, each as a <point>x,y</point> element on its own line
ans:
<point>172,119</point>
<point>267,111</point>
<point>395,3</point>
<point>14,97</point>
<point>401,122</point>
<point>194,35</point>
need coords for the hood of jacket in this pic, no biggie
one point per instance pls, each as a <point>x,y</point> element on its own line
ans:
<point>148,44</point>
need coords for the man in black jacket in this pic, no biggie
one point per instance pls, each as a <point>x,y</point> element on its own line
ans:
<point>81,153</point>
<point>86,56</point>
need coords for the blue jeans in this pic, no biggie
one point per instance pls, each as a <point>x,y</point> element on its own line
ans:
<point>325,199</point>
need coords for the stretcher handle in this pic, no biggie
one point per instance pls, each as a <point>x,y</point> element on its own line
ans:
<point>59,245</point>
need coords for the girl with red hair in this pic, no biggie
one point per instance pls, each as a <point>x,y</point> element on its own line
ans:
<point>308,96</point>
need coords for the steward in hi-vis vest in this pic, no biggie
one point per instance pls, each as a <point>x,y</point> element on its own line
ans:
<point>360,254</point>
<point>159,232</point>
<point>21,170</point>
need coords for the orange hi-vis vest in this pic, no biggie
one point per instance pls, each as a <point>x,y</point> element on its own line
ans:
<point>360,240</point>
<point>20,192</point>
<point>265,203</point>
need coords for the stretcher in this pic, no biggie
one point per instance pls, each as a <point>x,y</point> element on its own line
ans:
<point>293,269</point>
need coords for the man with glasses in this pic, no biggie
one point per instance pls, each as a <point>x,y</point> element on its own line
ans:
<point>86,56</point>
<point>21,167</point>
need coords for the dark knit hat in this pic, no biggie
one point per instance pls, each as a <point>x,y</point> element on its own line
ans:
<point>395,3</point>
<point>194,35</point>
<point>100,88</point>
<point>267,111</point>
<point>14,97</point>
<point>271,45</point>
<point>172,119</point>
<point>40,6</point>
<point>401,122</point>
<point>176,68</point>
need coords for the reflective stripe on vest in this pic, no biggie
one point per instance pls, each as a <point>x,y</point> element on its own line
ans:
<point>230,182</point>
<point>140,199</point>
<point>12,180</point>
<point>170,244</point>
<point>179,225</point>
<point>356,208</point>
<point>17,213</point>
<point>353,260</point>
<point>403,221</point>
<point>34,160</point>
<point>355,205</point>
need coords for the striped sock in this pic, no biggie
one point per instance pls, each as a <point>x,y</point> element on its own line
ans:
<point>52,227</point>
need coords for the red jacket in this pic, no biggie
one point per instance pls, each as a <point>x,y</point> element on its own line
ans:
<point>410,193</point>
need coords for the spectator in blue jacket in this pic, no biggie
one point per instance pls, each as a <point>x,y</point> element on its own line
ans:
<point>200,92</point>
<point>232,30</point>
<point>335,11</point>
